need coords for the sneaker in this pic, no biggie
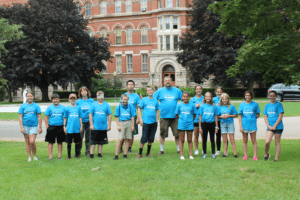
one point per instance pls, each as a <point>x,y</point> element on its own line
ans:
<point>68,158</point>
<point>87,153</point>
<point>255,158</point>
<point>79,153</point>
<point>213,156</point>
<point>99,155</point>
<point>218,153</point>
<point>148,155</point>
<point>275,160</point>
<point>50,158</point>
<point>202,152</point>
<point>191,157</point>
<point>129,150</point>
<point>204,156</point>
<point>29,160</point>
<point>35,158</point>
<point>245,157</point>
<point>161,152</point>
<point>267,158</point>
<point>224,155</point>
<point>91,156</point>
<point>196,152</point>
<point>138,156</point>
<point>76,156</point>
<point>116,158</point>
<point>235,156</point>
<point>125,156</point>
<point>182,158</point>
<point>59,157</point>
<point>178,152</point>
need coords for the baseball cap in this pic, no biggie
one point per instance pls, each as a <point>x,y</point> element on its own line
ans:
<point>72,96</point>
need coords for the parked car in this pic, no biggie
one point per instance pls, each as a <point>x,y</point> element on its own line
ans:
<point>285,92</point>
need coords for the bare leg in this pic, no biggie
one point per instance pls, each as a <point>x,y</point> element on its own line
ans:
<point>50,149</point>
<point>278,145</point>
<point>269,136</point>
<point>131,141</point>
<point>119,144</point>
<point>177,141</point>
<point>60,147</point>
<point>231,137</point>
<point>161,140</point>
<point>225,143</point>
<point>27,145</point>
<point>100,147</point>
<point>196,137</point>
<point>245,141</point>
<point>142,145</point>
<point>253,139</point>
<point>190,141</point>
<point>126,146</point>
<point>32,144</point>
<point>92,149</point>
<point>181,141</point>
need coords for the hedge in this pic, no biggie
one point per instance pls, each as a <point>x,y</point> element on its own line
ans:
<point>107,93</point>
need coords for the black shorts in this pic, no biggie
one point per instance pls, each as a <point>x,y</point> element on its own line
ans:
<point>149,131</point>
<point>71,136</point>
<point>98,137</point>
<point>55,133</point>
<point>196,125</point>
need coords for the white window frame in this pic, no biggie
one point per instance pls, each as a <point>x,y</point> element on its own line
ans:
<point>174,49</point>
<point>104,70</point>
<point>144,62</point>
<point>118,28</point>
<point>129,66</point>
<point>88,11</point>
<point>168,22</point>
<point>175,22</point>
<point>103,7</point>
<point>103,32</point>
<point>128,6</point>
<point>168,44</point>
<point>118,4</point>
<point>128,35</point>
<point>159,4</point>
<point>118,64</point>
<point>144,5</point>
<point>78,8</point>
<point>169,3</point>
<point>144,33</point>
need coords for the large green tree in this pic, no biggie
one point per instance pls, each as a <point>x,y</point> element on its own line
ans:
<point>57,47</point>
<point>272,30</point>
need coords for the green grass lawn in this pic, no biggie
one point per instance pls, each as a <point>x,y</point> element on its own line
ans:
<point>160,177</point>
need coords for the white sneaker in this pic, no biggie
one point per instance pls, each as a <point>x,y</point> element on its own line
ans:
<point>29,160</point>
<point>35,158</point>
<point>192,158</point>
<point>182,158</point>
<point>218,153</point>
<point>196,152</point>
<point>227,153</point>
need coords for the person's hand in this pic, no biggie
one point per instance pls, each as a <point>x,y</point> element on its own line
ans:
<point>272,128</point>
<point>198,105</point>
<point>65,130</point>
<point>132,128</point>
<point>241,130</point>
<point>119,128</point>
<point>137,121</point>
<point>92,128</point>
<point>40,130</point>
<point>80,130</point>
<point>47,126</point>
<point>216,130</point>
<point>201,130</point>
<point>22,130</point>
<point>108,128</point>
<point>225,116</point>
<point>141,122</point>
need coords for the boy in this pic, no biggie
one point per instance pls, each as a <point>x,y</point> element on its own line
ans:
<point>149,121</point>
<point>54,120</point>
<point>99,113</point>
<point>125,124</point>
<point>73,125</point>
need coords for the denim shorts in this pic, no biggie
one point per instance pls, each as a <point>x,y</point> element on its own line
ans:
<point>31,130</point>
<point>227,128</point>
<point>249,131</point>
<point>279,131</point>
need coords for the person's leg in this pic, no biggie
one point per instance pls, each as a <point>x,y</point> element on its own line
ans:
<point>50,149</point>
<point>212,137</point>
<point>224,136</point>
<point>87,138</point>
<point>218,138</point>
<point>190,141</point>
<point>144,139</point>
<point>181,141</point>
<point>269,136</point>
<point>59,147</point>
<point>164,131</point>
<point>118,146</point>
<point>245,141</point>
<point>77,139</point>
<point>196,137</point>
<point>174,125</point>
<point>205,132</point>
<point>69,150</point>
<point>27,145</point>
<point>100,147</point>
<point>32,144</point>
<point>254,142</point>
<point>231,137</point>
<point>126,146</point>
<point>278,145</point>
<point>82,136</point>
<point>92,149</point>
<point>135,132</point>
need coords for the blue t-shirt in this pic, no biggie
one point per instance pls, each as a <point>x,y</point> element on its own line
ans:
<point>133,101</point>
<point>273,111</point>
<point>216,100</point>
<point>249,111</point>
<point>186,115</point>
<point>124,112</point>
<point>168,101</point>
<point>85,106</point>
<point>149,106</point>
<point>207,112</point>
<point>56,115</point>
<point>195,101</point>
<point>30,112</point>
<point>100,113</point>
<point>73,123</point>
<point>224,110</point>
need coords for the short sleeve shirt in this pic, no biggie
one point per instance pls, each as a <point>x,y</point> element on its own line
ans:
<point>224,110</point>
<point>216,100</point>
<point>207,112</point>
<point>124,112</point>
<point>168,101</point>
<point>100,113</point>
<point>149,106</point>
<point>85,106</point>
<point>56,115</point>
<point>248,112</point>
<point>186,115</point>
<point>30,112</point>
<point>133,101</point>
<point>273,111</point>
<point>73,115</point>
<point>195,101</point>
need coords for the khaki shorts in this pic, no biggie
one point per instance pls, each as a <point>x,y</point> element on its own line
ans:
<point>164,127</point>
<point>125,132</point>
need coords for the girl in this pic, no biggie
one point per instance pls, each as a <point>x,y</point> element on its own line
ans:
<point>216,99</point>
<point>273,118</point>
<point>208,122</point>
<point>197,101</point>
<point>31,123</point>
<point>185,114</point>
<point>85,103</point>
<point>226,112</point>
<point>248,114</point>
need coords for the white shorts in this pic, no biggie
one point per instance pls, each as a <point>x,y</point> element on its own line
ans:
<point>249,131</point>
<point>31,130</point>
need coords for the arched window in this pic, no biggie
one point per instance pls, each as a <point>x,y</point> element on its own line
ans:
<point>118,35</point>
<point>128,6</point>
<point>88,9</point>
<point>89,32</point>
<point>78,8</point>
<point>118,6</point>
<point>103,7</point>
<point>103,33</point>
<point>128,35</point>
<point>144,34</point>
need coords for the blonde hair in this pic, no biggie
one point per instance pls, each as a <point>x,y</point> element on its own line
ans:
<point>221,102</point>
<point>212,101</point>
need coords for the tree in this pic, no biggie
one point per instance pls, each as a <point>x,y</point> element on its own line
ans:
<point>272,30</point>
<point>57,47</point>
<point>206,52</point>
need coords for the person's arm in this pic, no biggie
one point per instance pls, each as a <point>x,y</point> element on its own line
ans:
<point>118,124</point>
<point>140,116</point>
<point>176,116</point>
<point>200,127</point>
<point>80,120</point>
<point>194,117</point>
<point>109,122</point>
<point>267,122</point>
<point>257,115</point>
<point>132,124</point>
<point>232,116</point>
<point>240,123</point>
<point>47,121</point>
<point>91,121</point>
<point>278,121</point>
<point>217,125</point>
<point>21,123</point>
<point>65,125</point>
<point>137,119</point>
<point>40,130</point>
<point>157,115</point>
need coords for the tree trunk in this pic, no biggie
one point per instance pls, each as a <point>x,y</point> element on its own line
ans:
<point>250,87</point>
<point>8,90</point>
<point>44,90</point>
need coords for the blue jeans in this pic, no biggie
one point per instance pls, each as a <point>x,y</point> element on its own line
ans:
<point>86,131</point>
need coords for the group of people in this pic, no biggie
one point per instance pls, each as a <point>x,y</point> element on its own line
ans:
<point>89,119</point>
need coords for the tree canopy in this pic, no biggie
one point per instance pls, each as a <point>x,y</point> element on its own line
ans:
<point>57,47</point>
<point>272,30</point>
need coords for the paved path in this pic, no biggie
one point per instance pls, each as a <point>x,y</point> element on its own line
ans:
<point>10,130</point>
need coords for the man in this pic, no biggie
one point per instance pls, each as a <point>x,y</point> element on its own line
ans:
<point>168,97</point>
<point>134,101</point>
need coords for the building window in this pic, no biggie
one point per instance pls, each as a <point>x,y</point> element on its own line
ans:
<point>161,23</point>
<point>118,6</point>
<point>103,33</point>
<point>161,42</point>
<point>175,23</point>
<point>65,87</point>
<point>128,35</point>
<point>89,32</point>
<point>178,3</point>
<point>167,43</point>
<point>159,4</point>
<point>15,93</point>
<point>175,42</point>
<point>88,9</point>
<point>167,22</point>
<point>119,64</point>
<point>78,8</point>
<point>55,87</point>
<point>169,3</point>
<point>144,34</point>
<point>144,85</point>
<point>128,6</point>
<point>144,62</point>
<point>129,63</point>
<point>144,5</point>
<point>104,70</point>
<point>103,7</point>
<point>118,35</point>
